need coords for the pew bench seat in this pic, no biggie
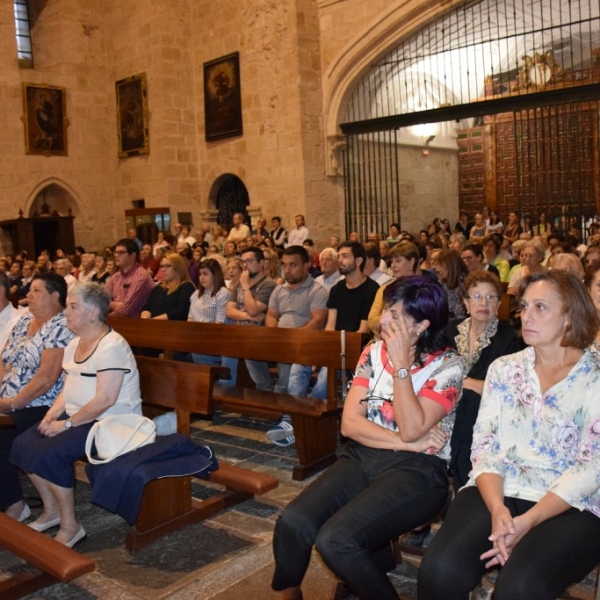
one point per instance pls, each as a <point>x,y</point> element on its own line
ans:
<point>53,562</point>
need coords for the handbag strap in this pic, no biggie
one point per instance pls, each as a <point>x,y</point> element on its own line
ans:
<point>92,435</point>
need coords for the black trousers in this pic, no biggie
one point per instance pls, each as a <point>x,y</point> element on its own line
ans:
<point>351,513</point>
<point>10,485</point>
<point>556,553</point>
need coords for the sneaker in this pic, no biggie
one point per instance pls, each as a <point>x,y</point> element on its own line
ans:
<point>283,433</point>
<point>25,513</point>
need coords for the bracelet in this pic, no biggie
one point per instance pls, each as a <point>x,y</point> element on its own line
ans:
<point>396,441</point>
<point>245,289</point>
<point>12,405</point>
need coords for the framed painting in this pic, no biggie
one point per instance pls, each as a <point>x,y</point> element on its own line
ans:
<point>45,120</point>
<point>222,98</point>
<point>132,116</point>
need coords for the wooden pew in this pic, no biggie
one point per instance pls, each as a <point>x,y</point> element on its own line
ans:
<point>315,421</point>
<point>167,504</point>
<point>55,561</point>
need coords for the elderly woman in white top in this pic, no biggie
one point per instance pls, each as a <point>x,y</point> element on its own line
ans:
<point>209,303</point>
<point>101,379</point>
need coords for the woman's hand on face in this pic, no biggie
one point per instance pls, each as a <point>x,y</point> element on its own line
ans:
<point>396,336</point>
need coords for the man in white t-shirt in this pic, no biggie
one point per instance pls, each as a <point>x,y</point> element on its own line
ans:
<point>297,236</point>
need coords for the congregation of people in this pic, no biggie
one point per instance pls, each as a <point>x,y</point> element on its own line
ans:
<point>446,397</point>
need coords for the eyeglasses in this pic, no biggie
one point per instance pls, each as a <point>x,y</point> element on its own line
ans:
<point>165,266</point>
<point>527,255</point>
<point>489,298</point>
<point>119,252</point>
<point>376,399</point>
<point>248,261</point>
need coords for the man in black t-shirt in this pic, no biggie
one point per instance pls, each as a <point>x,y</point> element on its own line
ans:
<point>348,308</point>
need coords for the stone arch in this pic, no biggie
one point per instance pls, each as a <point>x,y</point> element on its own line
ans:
<point>58,195</point>
<point>228,195</point>
<point>398,20</point>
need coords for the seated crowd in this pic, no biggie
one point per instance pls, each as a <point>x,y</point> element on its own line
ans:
<point>446,389</point>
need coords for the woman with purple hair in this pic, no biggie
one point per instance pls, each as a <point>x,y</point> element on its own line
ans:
<point>391,476</point>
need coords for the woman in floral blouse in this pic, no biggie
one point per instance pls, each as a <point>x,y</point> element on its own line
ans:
<point>391,476</point>
<point>532,504</point>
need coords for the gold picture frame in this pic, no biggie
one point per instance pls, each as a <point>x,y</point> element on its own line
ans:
<point>132,115</point>
<point>45,120</point>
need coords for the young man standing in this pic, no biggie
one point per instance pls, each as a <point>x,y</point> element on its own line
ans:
<point>298,235</point>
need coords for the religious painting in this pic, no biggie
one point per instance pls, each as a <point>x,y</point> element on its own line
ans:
<point>45,120</point>
<point>222,97</point>
<point>132,116</point>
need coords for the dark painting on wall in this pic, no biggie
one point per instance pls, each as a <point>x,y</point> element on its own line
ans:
<point>132,116</point>
<point>222,97</point>
<point>45,120</point>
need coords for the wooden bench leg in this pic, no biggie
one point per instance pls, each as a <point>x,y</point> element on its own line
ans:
<point>24,584</point>
<point>167,505</point>
<point>316,441</point>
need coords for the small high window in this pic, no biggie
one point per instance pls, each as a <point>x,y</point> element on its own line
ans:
<point>24,51</point>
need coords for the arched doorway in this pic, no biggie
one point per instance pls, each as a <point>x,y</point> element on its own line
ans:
<point>229,195</point>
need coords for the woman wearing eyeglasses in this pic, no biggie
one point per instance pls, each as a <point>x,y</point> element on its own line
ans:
<point>480,339</point>
<point>391,476</point>
<point>170,299</point>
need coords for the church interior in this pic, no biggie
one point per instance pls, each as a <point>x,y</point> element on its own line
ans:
<point>355,113</point>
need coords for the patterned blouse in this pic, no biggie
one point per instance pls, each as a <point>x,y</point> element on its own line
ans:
<point>206,308</point>
<point>23,354</point>
<point>538,442</point>
<point>462,342</point>
<point>439,378</point>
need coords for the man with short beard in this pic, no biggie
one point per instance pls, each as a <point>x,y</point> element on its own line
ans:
<point>248,306</point>
<point>348,308</point>
<point>300,303</point>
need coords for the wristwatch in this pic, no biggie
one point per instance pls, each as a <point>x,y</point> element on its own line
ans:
<point>402,373</point>
<point>68,424</point>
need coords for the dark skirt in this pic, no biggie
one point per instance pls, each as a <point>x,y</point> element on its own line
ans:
<point>51,458</point>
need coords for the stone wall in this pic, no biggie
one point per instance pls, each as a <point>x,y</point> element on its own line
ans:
<point>286,48</point>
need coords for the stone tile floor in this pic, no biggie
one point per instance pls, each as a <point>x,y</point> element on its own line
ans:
<point>226,557</point>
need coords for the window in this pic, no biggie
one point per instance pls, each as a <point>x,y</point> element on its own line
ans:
<point>24,51</point>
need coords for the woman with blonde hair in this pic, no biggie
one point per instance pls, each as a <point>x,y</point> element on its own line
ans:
<point>170,299</point>
<point>272,268</point>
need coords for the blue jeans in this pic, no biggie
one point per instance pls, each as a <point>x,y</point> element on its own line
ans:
<point>206,359</point>
<point>351,513</point>
<point>299,382</point>
<point>232,364</point>
<point>259,372</point>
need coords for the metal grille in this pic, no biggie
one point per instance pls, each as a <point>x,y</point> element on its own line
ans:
<point>556,149</point>
<point>535,63</point>
<point>372,182</point>
<point>479,51</point>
